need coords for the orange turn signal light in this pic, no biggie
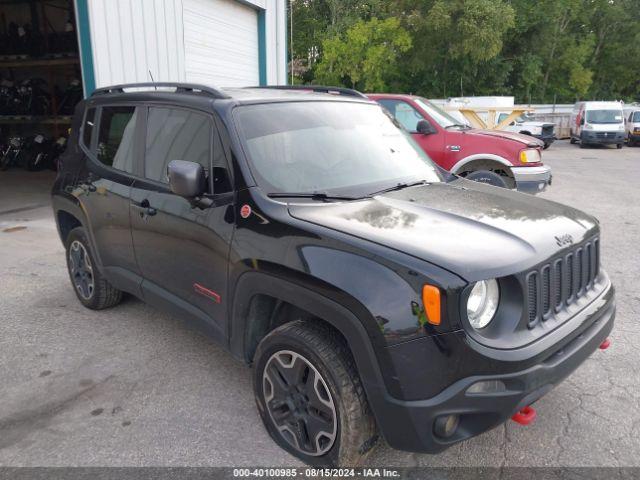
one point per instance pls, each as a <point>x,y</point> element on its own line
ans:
<point>431,302</point>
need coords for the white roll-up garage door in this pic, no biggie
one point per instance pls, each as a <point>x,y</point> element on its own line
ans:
<point>221,43</point>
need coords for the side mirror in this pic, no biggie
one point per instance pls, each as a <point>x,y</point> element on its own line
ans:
<point>425,128</point>
<point>582,121</point>
<point>186,179</point>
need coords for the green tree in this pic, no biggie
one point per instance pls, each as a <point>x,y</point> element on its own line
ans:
<point>542,51</point>
<point>365,55</point>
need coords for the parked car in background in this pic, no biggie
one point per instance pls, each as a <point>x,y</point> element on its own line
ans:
<point>597,123</point>
<point>527,125</point>
<point>499,158</point>
<point>632,126</point>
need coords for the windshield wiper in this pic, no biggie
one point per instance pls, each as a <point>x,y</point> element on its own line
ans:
<point>323,196</point>
<point>399,186</point>
<point>457,125</point>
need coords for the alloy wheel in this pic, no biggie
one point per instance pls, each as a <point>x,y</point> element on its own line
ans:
<point>81,270</point>
<point>300,403</point>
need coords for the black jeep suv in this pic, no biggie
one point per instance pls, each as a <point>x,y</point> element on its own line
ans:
<point>370,291</point>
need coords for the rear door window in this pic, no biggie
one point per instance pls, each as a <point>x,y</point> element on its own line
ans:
<point>176,134</point>
<point>116,137</point>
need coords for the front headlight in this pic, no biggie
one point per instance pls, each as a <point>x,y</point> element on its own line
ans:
<point>621,128</point>
<point>530,156</point>
<point>483,303</point>
<point>588,127</point>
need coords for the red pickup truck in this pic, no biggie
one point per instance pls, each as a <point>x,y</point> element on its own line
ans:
<point>498,158</point>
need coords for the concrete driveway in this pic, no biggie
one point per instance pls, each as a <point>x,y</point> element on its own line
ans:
<point>134,386</point>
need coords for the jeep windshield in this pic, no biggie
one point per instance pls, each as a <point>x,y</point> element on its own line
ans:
<point>329,149</point>
<point>604,116</point>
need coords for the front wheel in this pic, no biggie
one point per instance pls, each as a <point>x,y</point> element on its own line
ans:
<point>310,397</point>
<point>488,177</point>
<point>619,146</point>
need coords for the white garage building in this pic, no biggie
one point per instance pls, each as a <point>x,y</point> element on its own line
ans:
<point>219,42</point>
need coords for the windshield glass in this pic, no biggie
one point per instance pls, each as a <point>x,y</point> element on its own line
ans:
<point>636,117</point>
<point>604,116</point>
<point>334,147</point>
<point>438,115</point>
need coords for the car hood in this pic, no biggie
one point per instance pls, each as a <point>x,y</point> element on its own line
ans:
<point>474,230</point>
<point>516,137</point>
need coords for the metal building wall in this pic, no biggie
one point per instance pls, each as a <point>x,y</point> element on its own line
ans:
<point>182,40</point>
<point>131,38</point>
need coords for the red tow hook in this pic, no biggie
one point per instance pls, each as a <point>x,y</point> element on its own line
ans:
<point>605,344</point>
<point>525,416</point>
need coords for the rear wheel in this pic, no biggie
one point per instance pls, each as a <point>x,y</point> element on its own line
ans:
<point>619,146</point>
<point>488,177</point>
<point>92,289</point>
<point>310,397</point>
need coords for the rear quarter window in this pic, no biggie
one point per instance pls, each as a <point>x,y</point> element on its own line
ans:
<point>87,127</point>
<point>116,137</point>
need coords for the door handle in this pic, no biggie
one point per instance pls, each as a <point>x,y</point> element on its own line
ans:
<point>145,208</point>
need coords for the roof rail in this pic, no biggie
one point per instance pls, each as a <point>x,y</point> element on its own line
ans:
<point>317,88</point>
<point>180,88</point>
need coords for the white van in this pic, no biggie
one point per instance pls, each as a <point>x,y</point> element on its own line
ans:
<point>597,123</point>
<point>632,122</point>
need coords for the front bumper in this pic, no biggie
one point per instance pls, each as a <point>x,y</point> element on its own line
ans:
<point>408,425</point>
<point>532,179</point>
<point>591,137</point>
<point>546,138</point>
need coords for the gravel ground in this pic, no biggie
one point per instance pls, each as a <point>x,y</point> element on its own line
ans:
<point>133,386</point>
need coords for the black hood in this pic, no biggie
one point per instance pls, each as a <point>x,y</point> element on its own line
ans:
<point>471,229</point>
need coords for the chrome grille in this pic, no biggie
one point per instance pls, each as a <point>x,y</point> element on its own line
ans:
<point>564,280</point>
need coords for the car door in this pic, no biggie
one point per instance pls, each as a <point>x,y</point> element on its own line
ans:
<point>109,141</point>
<point>408,117</point>
<point>182,249</point>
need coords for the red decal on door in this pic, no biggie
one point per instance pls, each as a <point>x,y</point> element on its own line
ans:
<point>245,211</point>
<point>206,292</point>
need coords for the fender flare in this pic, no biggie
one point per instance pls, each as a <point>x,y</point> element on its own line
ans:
<point>480,156</point>
<point>253,283</point>
<point>72,206</point>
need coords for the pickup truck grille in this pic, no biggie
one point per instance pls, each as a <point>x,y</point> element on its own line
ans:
<point>554,286</point>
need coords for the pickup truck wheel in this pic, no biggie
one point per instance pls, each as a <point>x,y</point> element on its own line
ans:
<point>92,289</point>
<point>572,141</point>
<point>630,141</point>
<point>485,176</point>
<point>618,146</point>
<point>310,397</point>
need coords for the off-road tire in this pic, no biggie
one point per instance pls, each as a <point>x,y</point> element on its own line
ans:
<point>103,295</point>
<point>327,352</point>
